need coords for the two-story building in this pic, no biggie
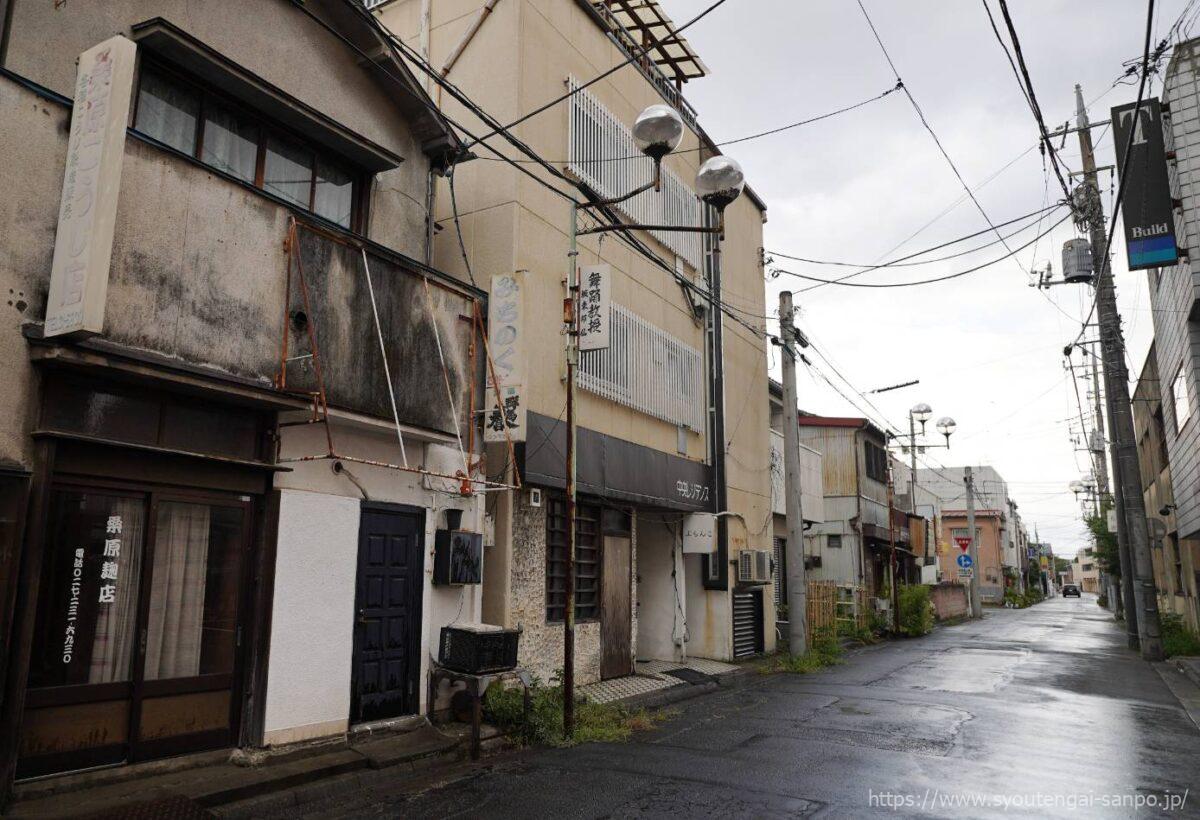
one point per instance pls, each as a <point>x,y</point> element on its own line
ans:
<point>649,405</point>
<point>239,403</point>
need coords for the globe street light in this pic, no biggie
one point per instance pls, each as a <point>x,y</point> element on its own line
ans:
<point>921,412</point>
<point>657,131</point>
<point>946,426</point>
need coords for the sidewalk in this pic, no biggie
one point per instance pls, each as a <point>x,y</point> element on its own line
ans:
<point>661,681</point>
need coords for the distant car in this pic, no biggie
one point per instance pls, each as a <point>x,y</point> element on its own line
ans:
<point>1069,590</point>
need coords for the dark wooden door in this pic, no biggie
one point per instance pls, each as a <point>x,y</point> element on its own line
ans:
<point>616,615</point>
<point>387,642</point>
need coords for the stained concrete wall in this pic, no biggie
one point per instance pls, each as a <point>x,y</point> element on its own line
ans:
<point>662,616</point>
<point>312,627</point>
<point>949,600</point>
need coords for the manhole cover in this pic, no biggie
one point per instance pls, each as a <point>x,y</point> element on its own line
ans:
<point>689,675</point>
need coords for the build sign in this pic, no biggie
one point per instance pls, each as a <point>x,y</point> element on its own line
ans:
<point>595,302</point>
<point>91,181</point>
<point>504,411</point>
<point>1146,202</point>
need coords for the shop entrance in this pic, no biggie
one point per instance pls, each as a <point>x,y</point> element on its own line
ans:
<point>137,636</point>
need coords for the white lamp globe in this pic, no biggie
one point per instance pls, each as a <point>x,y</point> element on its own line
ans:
<point>720,181</point>
<point>657,131</point>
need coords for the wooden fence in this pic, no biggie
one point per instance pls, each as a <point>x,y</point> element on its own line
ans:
<point>831,605</point>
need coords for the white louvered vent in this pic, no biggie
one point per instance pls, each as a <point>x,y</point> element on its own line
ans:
<point>648,370</point>
<point>601,152</point>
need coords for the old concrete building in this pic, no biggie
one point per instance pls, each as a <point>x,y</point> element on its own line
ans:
<point>204,221</point>
<point>648,456</point>
<point>1176,563</point>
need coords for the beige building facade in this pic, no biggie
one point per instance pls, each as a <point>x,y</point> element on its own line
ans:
<point>646,450</point>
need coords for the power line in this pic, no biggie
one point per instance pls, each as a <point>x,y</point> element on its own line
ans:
<point>635,55</point>
<point>935,279</point>
<point>759,135</point>
<point>902,262</point>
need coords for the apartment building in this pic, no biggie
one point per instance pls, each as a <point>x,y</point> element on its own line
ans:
<point>234,477</point>
<point>648,456</point>
<point>1085,570</point>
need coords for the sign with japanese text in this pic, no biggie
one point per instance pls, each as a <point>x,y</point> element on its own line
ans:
<point>1146,204</point>
<point>505,409</point>
<point>963,541</point>
<point>595,301</point>
<point>700,534</point>
<point>91,181</point>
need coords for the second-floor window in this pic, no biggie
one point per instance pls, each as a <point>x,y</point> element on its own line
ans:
<point>204,125</point>
<point>876,461</point>
<point>1179,396</point>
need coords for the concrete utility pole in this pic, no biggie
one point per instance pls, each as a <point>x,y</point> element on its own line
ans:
<point>797,585</point>
<point>976,604</point>
<point>891,496</point>
<point>1136,568</point>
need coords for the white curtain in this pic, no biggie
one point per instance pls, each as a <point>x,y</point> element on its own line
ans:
<point>167,112</point>
<point>229,144</point>
<point>113,643</point>
<point>177,591</point>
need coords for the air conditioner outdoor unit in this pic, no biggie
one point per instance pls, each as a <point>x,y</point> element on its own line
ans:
<point>754,567</point>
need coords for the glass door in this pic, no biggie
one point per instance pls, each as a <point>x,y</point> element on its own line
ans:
<point>136,649</point>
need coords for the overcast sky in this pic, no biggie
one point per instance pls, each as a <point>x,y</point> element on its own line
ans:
<point>986,347</point>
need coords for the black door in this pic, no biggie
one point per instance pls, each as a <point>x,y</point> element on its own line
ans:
<point>387,642</point>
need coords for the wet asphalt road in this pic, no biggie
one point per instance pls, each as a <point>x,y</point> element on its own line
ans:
<point>1043,708</point>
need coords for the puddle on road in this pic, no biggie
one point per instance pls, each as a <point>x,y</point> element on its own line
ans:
<point>969,671</point>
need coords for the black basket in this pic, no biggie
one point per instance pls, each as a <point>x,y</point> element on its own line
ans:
<point>478,653</point>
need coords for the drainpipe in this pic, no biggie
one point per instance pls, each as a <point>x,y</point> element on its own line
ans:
<point>468,36</point>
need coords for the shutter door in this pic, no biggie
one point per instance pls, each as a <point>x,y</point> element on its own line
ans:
<point>747,624</point>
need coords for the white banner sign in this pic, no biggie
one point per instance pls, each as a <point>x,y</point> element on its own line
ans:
<point>595,301</point>
<point>91,181</point>
<point>506,342</point>
<point>700,534</point>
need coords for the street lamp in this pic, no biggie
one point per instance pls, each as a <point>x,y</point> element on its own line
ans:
<point>921,412</point>
<point>657,131</point>
<point>946,426</point>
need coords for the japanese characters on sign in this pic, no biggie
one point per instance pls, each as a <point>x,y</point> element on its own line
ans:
<point>691,491</point>
<point>91,181</point>
<point>595,300</point>
<point>506,343</point>
<point>73,606</point>
<point>700,534</point>
<point>112,554</point>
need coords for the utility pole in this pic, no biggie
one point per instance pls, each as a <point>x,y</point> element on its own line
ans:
<point>1102,491</point>
<point>797,585</point>
<point>1127,479</point>
<point>892,543</point>
<point>912,455</point>
<point>571,318</point>
<point>976,604</point>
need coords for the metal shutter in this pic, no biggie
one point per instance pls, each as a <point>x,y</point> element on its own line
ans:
<point>747,624</point>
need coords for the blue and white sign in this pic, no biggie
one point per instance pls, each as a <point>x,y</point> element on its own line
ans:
<point>964,561</point>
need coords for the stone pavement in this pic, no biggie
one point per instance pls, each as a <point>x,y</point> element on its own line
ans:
<point>654,676</point>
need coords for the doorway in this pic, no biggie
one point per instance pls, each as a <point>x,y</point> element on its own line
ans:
<point>387,632</point>
<point>138,632</point>
<point>616,613</point>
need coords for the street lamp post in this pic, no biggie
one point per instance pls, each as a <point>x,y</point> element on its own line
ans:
<point>657,132</point>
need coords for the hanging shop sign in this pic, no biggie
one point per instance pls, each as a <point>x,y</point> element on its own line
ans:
<point>700,534</point>
<point>505,408</point>
<point>595,302</point>
<point>1146,201</point>
<point>91,182</point>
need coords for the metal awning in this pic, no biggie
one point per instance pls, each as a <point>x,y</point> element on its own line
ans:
<point>651,28</point>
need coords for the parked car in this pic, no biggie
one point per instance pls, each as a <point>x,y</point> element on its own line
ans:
<point>1069,590</point>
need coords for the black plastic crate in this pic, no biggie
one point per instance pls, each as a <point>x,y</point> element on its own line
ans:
<point>478,652</point>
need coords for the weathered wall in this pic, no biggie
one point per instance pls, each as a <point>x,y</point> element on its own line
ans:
<point>949,600</point>
<point>660,593</point>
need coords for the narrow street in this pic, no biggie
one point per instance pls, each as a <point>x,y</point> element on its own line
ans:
<point>1038,702</point>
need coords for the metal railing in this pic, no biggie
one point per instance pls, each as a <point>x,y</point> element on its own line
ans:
<point>602,153</point>
<point>648,370</point>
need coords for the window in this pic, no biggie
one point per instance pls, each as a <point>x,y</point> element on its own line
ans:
<point>587,561</point>
<point>876,461</point>
<point>834,542</point>
<point>1179,398</point>
<point>182,115</point>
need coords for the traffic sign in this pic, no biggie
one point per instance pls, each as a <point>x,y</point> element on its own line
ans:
<point>966,574</point>
<point>963,541</point>
<point>964,561</point>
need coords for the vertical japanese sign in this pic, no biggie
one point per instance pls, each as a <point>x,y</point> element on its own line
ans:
<point>595,299</point>
<point>91,181</point>
<point>1146,202</point>
<point>506,341</point>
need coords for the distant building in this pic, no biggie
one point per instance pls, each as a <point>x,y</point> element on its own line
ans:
<point>1085,570</point>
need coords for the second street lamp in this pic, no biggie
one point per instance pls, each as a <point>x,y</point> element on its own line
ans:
<point>657,132</point>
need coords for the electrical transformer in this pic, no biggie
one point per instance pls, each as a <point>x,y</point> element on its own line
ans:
<point>1077,261</point>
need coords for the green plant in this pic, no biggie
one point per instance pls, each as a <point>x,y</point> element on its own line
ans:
<point>1102,600</point>
<point>916,610</point>
<point>853,632</point>
<point>1014,598</point>
<point>594,722</point>
<point>1176,637</point>
<point>824,650</point>
<point>1107,555</point>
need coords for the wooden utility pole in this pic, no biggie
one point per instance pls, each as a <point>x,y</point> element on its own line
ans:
<point>1136,567</point>
<point>571,318</point>
<point>797,584</point>
<point>891,495</point>
<point>973,551</point>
